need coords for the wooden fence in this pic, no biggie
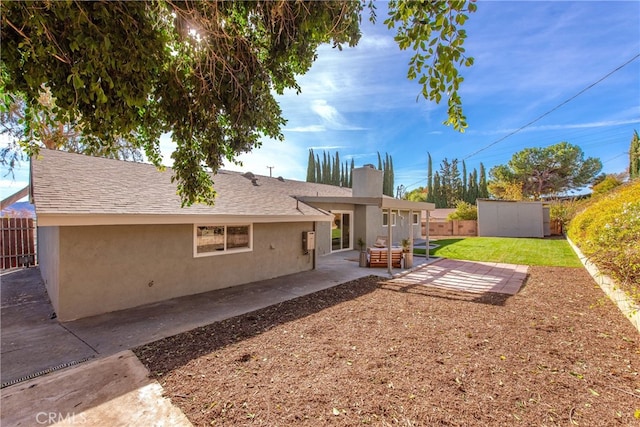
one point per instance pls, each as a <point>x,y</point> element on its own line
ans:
<point>17,242</point>
<point>556,227</point>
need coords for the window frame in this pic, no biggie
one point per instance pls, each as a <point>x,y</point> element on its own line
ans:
<point>225,250</point>
<point>416,218</point>
<point>393,218</point>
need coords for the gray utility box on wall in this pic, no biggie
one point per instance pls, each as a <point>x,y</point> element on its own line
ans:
<point>308,240</point>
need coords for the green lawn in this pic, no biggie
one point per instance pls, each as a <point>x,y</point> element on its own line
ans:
<point>549,252</point>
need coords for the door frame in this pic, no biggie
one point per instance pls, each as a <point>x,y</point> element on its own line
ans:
<point>351,214</point>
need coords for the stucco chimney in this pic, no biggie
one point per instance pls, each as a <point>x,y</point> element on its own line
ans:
<point>367,182</point>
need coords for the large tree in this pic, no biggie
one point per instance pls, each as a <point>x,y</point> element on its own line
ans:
<point>450,182</point>
<point>43,131</point>
<point>204,71</point>
<point>545,171</point>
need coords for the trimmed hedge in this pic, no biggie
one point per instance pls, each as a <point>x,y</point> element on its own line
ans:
<point>607,231</point>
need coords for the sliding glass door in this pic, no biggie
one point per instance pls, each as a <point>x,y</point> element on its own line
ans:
<point>341,231</point>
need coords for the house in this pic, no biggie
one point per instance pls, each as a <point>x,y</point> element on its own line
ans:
<point>113,235</point>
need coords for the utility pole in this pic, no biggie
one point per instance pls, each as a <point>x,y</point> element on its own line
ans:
<point>270,169</point>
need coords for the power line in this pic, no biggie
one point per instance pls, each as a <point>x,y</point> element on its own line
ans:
<point>553,109</point>
<point>613,158</point>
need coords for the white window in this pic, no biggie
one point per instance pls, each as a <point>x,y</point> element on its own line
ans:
<point>416,218</point>
<point>222,239</point>
<point>385,219</point>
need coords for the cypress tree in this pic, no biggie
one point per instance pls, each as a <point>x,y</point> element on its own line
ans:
<point>465,184</point>
<point>483,190</point>
<point>311,167</point>
<point>472,194</point>
<point>391,177</point>
<point>379,162</point>
<point>634,157</point>
<point>326,175</point>
<point>318,169</point>
<point>439,200</point>
<point>430,196</point>
<point>353,165</point>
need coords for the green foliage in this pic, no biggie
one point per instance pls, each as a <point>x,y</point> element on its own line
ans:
<point>483,190</point>
<point>451,183</point>
<point>464,211</point>
<point>330,171</point>
<point>546,171</point>
<point>447,186</point>
<point>608,183</point>
<point>634,156</point>
<point>564,210</point>
<point>432,30</point>
<point>417,195</point>
<point>430,194</point>
<point>505,188</point>
<point>608,233</point>
<point>205,72</point>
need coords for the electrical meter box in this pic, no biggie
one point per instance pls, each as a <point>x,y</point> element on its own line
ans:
<point>308,240</point>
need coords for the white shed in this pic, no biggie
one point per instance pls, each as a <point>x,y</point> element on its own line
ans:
<point>507,218</point>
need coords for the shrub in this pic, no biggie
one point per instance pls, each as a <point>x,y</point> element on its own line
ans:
<point>608,233</point>
<point>565,210</point>
<point>607,184</point>
<point>464,211</point>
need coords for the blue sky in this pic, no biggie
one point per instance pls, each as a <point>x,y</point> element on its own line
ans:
<point>530,57</point>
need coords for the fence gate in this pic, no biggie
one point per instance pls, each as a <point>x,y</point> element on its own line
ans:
<point>18,243</point>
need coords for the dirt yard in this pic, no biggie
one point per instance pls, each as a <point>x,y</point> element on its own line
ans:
<point>369,353</point>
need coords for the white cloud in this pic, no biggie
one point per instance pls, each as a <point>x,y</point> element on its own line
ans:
<point>310,128</point>
<point>330,116</point>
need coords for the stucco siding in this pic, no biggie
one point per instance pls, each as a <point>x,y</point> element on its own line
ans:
<point>323,238</point>
<point>510,219</point>
<point>108,268</point>
<point>48,260</point>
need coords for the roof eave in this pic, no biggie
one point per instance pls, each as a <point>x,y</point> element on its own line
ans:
<point>67,219</point>
<point>381,202</point>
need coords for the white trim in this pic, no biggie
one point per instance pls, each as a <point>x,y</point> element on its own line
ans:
<point>394,217</point>
<point>225,251</point>
<point>415,218</point>
<point>45,220</point>
<point>351,240</point>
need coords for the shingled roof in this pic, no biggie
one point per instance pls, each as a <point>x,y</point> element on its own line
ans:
<point>70,189</point>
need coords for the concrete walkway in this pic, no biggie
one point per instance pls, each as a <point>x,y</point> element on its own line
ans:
<point>115,384</point>
<point>112,391</point>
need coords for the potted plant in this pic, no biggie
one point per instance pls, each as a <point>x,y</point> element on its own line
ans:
<point>363,255</point>
<point>407,255</point>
